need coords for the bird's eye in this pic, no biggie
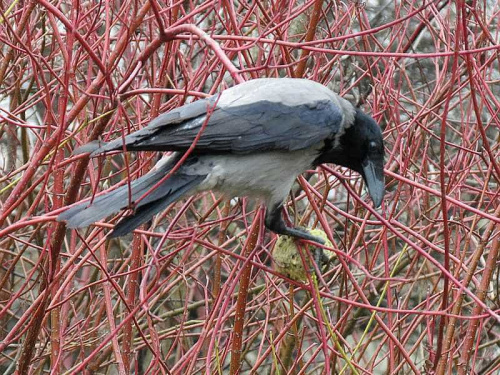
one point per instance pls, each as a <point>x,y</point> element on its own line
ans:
<point>372,146</point>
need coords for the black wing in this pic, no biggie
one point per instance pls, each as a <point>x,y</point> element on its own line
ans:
<point>260,123</point>
<point>260,126</point>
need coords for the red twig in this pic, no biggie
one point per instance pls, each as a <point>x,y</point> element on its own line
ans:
<point>68,66</point>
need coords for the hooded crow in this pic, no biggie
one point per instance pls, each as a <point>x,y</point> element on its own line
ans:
<point>253,139</point>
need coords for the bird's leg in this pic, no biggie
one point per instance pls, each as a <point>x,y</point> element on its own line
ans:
<point>274,221</point>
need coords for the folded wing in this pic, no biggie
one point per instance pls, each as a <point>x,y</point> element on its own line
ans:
<point>264,117</point>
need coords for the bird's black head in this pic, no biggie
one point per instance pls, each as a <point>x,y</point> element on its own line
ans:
<point>360,148</point>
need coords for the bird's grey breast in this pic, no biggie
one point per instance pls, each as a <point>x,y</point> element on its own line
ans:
<point>266,175</point>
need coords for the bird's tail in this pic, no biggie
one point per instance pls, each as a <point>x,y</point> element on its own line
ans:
<point>112,202</point>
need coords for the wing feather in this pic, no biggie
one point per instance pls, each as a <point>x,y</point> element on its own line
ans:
<point>259,115</point>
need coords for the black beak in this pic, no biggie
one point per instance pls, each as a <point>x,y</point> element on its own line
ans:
<point>373,174</point>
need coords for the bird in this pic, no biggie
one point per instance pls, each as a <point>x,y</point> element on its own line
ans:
<point>253,139</point>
